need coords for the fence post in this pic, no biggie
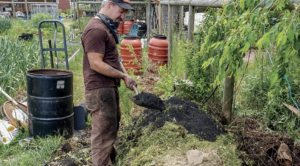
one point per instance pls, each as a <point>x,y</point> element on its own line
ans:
<point>226,114</point>
<point>170,26</point>
<point>78,16</point>
<point>26,9</point>
<point>160,9</point>
<point>148,21</point>
<point>181,17</point>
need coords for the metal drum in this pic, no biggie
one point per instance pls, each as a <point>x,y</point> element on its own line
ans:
<point>50,102</point>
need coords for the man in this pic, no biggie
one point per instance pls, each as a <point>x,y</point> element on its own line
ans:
<point>101,71</point>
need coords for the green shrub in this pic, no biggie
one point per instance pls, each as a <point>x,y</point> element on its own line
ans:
<point>5,24</point>
<point>68,11</point>
<point>37,18</point>
<point>75,25</point>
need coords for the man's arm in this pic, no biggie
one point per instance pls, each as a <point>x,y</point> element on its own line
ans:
<point>97,64</point>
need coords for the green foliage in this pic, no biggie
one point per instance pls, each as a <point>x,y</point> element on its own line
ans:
<point>38,152</point>
<point>68,12</point>
<point>15,58</point>
<point>227,33</point>
<point>5,24</point>
<point>261,101</point>
<point>37,18</point>
<point>74,25</point>
<point>175,72</point>
<point>230,31</point>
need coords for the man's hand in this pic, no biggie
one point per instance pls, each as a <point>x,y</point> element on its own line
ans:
<point>129,82</point>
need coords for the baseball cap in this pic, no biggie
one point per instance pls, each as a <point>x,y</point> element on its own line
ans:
<point>123,4</point>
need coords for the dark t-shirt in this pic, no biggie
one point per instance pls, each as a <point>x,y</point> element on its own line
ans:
<point>97,38</point>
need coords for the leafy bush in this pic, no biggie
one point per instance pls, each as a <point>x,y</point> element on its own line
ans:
<point>5,24</point>
<point>37,18</point>
<point>75,25</point>
<point>68,11</point>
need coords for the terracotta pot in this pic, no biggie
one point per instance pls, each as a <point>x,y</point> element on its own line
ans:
<point>131,61</point>
<point>120,28</point>
<point>127,25</point>
<point>158,51</point>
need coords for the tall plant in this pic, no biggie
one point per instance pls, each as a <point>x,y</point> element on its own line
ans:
<point>239,26</point>
<point>5,24</point>
<point>15,58</point>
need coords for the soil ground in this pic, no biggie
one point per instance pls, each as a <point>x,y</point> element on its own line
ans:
<point>262,146</point>
<point>254,143</point>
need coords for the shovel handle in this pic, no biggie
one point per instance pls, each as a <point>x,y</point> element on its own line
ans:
<point>124,71</point>
<point>12,100</point>
<point>135,90</point>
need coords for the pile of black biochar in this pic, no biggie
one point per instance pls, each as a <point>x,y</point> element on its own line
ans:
<point>186,114</point>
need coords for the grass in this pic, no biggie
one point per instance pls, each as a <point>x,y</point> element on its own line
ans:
<point>15,58</point>
<point>153,147</point>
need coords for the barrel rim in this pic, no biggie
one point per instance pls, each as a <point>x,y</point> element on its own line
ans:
<point>160,36</point>
<point>61,72</point>
<point>131,37</point>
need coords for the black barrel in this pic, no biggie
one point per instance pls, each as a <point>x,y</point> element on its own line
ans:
<point>50,102</point>
<point>142,29</point>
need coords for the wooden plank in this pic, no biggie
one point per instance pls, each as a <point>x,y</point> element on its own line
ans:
<point>292,108</point>
<point>191,23</point>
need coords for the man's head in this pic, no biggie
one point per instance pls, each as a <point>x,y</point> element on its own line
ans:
<point>115,9</point>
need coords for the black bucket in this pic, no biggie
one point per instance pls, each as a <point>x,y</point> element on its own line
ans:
<point>79,118</point>
<point>50,102</point>
<point>142,30</point>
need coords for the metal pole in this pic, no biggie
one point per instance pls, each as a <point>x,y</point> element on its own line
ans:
<point>148,21</point>
<point>78,16</point>
<point>170,14</point>
<point>191,23</point>
<point>160,13</point>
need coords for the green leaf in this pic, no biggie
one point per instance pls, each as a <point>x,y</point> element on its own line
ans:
<point>290,35</point>
<point>269,3</point>
<point>259,43</point>
<point>274,78</point>
<point>242,4</point>
<point>207,63</point>
<point>283,41</point>
<point>266,43</point>
<point>247,46</point>
<point>251,38</point>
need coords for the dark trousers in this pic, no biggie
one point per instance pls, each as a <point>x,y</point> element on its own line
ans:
<point>103,104</point>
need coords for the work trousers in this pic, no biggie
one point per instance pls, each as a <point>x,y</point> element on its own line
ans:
<point>103,104</point>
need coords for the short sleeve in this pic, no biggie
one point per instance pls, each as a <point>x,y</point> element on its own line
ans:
<point>94,41</point>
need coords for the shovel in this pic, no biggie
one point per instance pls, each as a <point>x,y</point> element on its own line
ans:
<point>12,100</point>
<point>143,99</point>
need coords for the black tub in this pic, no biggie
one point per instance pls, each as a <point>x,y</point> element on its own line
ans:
<point>50,102</point>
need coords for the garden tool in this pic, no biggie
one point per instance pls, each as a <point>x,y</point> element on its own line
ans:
<point>143,99</point>
<point>12,100</point>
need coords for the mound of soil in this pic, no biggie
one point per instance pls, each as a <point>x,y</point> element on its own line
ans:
<point>186,114</point>
<point>263,147</point>
<point>149,100</point>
